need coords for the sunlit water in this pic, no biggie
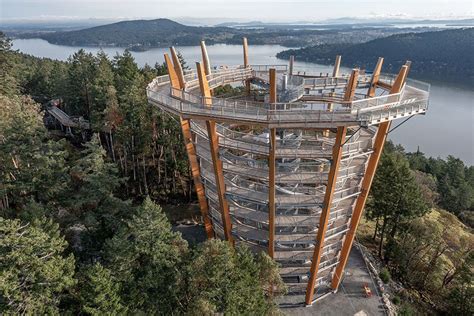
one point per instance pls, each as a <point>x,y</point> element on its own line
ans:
<point>447,128</point>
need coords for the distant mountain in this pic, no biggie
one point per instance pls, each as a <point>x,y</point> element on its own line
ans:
<point>139,33</point>
<point>442,55</point>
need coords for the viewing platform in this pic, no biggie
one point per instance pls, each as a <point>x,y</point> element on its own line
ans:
<point>285,164</point>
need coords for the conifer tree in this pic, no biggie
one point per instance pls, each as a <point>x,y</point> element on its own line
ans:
<point>230,281</point>
<point>33,167</point>
<point>395,198</point>
<point>8,83</point>
<point>100,292</point>
<point>103,84</point>
<point>147,258</point>
<point>82,70</point>
<point>91,200</point>
<point>33,269</point>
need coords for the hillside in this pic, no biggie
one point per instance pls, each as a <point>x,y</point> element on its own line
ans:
<point>139,33</point>
<point>442,55</point>
<point>145,34</point>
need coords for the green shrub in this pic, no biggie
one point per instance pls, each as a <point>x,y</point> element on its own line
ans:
<point>406,310</point>
<point>384,275</point>
<point>396,300</point>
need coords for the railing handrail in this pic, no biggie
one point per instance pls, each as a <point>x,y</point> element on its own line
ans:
<point>416,92</point>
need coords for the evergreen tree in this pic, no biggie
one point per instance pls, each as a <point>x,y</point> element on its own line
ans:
<point>461,297</point>
<point>91,200</point>
<point>33,167</point>
<point>8,83</point>
<point>82,71</point>
<point>33,270</point>
<point>102,86</point>
<point>229,281</point>
<point>147,258</point>
<point>394,198</point>
<point>100,292</point>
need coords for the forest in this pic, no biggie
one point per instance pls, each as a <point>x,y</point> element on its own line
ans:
<point>450,61</point>
<point>82,230</point>
<point>140,35</point>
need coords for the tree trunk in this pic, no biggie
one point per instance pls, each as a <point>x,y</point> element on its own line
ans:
<point>376,229</point>
<point>145,184</point>
<point>382,235</point>
<point>112,146</point>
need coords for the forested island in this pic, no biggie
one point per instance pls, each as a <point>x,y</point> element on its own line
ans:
<point>82,230</point>
<point>441,55</point>
<point>145,34</point>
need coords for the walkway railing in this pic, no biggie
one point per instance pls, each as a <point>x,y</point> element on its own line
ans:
<point>413,98</point>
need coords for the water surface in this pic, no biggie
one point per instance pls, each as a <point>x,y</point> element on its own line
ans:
<point>446,129</point>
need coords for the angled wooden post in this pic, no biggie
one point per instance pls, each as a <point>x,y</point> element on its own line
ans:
<point>246,63</point>
<point>323,220</point>
<point>272,171</point>
<point>291,65</point>
<point>408,64</point>
<point>175,84</point>
<point>178,67</point>
<point>196,173</point>
<point>351,85</point>
<point>216,162</point>
<point>205,58</point>
<point>246,51</point>
<point>337,65</point>
<point>192,157</point>
<point>375,77</point>
<point>366,184</point>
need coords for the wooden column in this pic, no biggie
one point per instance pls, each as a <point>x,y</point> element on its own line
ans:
<point>337,65</point>
<point>291,65</point>
<point>366,183</point>
<point>196,172</point>
<point>323,220</point>
<point>246,63</point>
<point>178,68</point>
<point>272,171</point>
<point>216,162</point>
<point>408,64</point>
<point>205,58</point>
<point>246,52</point>
<point>375,78</point>
<point>174,81</point>
<point>192,157</point>
<point>351,85</point>
<point>335,73</point>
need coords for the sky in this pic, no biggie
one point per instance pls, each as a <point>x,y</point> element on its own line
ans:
<point>233,10</point>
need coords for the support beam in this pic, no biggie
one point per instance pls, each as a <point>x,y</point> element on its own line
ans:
<point>375,78</point>
<point>192,157</point>
<point>178,68</point>
<point>291,65</point>
<point>400,80</point>
<point>216,162</point>
<point>408,64</point>
<point>172,73</point>
<point>323,220</point>
<point>205,58</point>
<point>366,184</point>
<point>246,52</point>
<point>246,63</point>
<point>272,171</point>
<point>196,173</point>
<point>351,85</point>
<point>337,65</point>
<point>350,90</point>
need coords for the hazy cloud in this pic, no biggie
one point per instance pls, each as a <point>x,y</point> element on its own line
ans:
<point>265,10</point>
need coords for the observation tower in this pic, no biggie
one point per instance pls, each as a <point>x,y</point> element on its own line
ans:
<point>286,166</point>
